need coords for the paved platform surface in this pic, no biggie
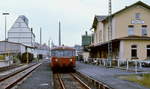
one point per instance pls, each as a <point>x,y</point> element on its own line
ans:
<point>41,78</point>
<point>108,76</point>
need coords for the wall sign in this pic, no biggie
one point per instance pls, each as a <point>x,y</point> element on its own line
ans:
<point>137,22</point>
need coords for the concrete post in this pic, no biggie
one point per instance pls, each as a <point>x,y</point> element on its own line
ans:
<point>118,63</point>
<point>100,61</point>
<point>127,64</point>
<point>136,67</point>
<point>110,61</point>
<point>140,64</point>
<point>104,62</point>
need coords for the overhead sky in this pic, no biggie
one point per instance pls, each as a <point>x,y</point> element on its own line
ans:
<point>76,16</point>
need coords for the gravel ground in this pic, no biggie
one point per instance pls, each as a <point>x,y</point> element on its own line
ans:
<point>41,78</point>
<point>108,76</point>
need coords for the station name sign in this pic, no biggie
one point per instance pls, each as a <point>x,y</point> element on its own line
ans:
<point>137,22</point>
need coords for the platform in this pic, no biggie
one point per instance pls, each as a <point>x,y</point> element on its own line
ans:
<point>108,76</point>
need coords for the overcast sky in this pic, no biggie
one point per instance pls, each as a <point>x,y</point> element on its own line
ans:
<point>76,16</point>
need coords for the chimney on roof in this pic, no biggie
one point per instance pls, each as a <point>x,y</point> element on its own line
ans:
<point>86,33</point>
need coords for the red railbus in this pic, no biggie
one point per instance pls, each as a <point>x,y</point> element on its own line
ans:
<point>62,57</point>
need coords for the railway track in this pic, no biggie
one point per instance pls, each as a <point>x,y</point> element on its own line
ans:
<point>9,81</point>
<point>77,81</point>
<point>69,81</point>
<point>2,69</point>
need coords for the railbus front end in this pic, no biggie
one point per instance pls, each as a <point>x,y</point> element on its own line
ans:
<point>63,58</point>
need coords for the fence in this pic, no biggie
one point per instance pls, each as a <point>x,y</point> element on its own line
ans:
<point>131,65</point>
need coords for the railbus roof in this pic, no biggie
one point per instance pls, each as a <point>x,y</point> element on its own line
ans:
<point>63,48</point>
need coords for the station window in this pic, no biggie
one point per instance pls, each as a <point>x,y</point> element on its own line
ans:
<point>130,30</point>
<point>134,51</point>
<point>148,51</point>
<point>137,16</point>
<point>144,30</point>
<point>100,35</point>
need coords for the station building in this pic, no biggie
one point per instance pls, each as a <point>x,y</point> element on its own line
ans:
<point>9,50</point>
<point>130,34</point>
<point>20,32</point>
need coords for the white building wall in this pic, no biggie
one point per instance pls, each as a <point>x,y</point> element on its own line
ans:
<point>42,51</point>
<point>11,48</point>
<point>21,33</point>
<point>121,50</point>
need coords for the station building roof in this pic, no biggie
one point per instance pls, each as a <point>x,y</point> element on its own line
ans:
<point>133,37</point>
<point>16,43</point>
<point>102,18</point>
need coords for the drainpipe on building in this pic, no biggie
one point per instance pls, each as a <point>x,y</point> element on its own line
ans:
<point>27,55</point>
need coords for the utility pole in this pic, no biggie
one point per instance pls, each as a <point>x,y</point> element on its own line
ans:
<point>27,55</point>
<point>31,37</point>
<point>49,42</point>
<point>59,33</point>
<point>110,32</point>
<point>40,36</point>
<point>5,14</point>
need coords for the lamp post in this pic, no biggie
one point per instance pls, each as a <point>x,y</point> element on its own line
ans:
<point>5,14</point>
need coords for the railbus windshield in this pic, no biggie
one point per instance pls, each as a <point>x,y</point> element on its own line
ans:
<point>63,53</point>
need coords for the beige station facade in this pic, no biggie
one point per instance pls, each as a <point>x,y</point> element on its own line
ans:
<point>130,34</point>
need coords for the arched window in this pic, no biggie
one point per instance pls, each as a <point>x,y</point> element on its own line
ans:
<point>148,51</point>
<point>133,51</point>
<point>134,46</point>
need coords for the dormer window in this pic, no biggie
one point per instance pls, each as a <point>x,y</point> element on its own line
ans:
<point>137,16</point>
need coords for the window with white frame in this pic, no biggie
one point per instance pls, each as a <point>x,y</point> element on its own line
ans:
<point>133,51</point>
<point>137,16</point>
<point>100,35</point>
<point>144,30</point>
<point>148,51</point>
<point>130,30</point>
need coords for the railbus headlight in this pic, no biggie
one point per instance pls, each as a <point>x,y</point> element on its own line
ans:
<point>71,60</point>
<point>56,60</point>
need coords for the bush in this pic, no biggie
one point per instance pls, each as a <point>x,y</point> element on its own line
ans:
<point>2,57</point>
<point>24,57</point>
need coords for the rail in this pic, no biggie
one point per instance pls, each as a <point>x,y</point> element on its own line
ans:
<point>80,81</point>
<point>97,84</point>
<point>12,79</point>
<point>71,79</point>
<point>61,82</point>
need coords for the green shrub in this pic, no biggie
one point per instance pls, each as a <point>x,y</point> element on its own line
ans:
<point>2,57</point>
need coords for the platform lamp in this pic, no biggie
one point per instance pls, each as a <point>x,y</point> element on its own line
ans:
<point>5,14</point>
